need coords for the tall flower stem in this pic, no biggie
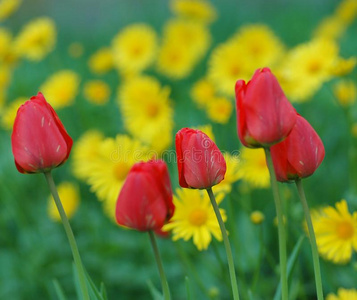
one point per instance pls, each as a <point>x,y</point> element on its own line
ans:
<point>165,285</point>
<point>281,229</point>
<point>232,273</point>
<point>70,236</point>
<point>315,254</point>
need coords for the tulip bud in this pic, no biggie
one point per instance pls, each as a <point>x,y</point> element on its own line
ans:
<point>265,116</point>
<point>201,164</point>
<point>145,200</point>
<point>39,140</point>
<point>300,154</point>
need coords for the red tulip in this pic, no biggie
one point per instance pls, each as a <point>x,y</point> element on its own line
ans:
<point>300,154</point>
<point>145,200</point>
<point>39,140</point>
<point>200,163</point>
<point>265,117</point>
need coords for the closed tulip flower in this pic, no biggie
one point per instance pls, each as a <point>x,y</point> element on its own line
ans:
<point>39,140</point>
<point>201,164</point>
<point>300,154</point>
<point>264,115</point>
<point>145,200</point>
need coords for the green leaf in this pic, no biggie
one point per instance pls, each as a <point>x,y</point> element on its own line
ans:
<point>188,291</point>
<point>103,291</point>
<point>156,295</point>
<point>59,291</point>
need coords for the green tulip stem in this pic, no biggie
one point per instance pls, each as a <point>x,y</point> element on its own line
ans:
<point>70,236</point>
<point>232,273</point>
<point>165,285</point>
<point>315,254</point>
<point>281,229</point>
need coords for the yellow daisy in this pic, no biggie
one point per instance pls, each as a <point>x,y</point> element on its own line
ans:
<point>257,217</point>
<point>69,195</point>
<point>336,232</point>
<point>343,294</point>
<point>85,151</point>
<point>203,92</point>
<point>110,166</point>
<point>96,91</point>
<point>307,67</point>
<point>61,88</point>
<point>219,110</point>
<point>8,7</point>
<point>330,28</point>
<point>134,48</point>
<point>194,218</point>
<point>343,66</point>
<point>75,49</point>
<point>347,11</point>
<point>253,168</point>
<point>345,92</point>
<point>147,111</point>
<point>9,113</point>
<point>36,39</point>
<point>101,61</point>
<point>197,10</point>
<point>7,55</point>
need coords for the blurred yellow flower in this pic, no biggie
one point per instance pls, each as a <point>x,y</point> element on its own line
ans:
<point>7,55</point>
<point>253,168</point>
<point>354,130</point>
<point>134,48</point>
<point>194,218</point>
<point>96,91</point>
<point>347,11</point>
<point>202,92</point>
<point>85,151</point>
<point>336,232</point>
<point>9,113</point>
<point>36,39</point>
<point>61,88</point>
<point>8,7</point>
<point>219,110</point>
<point>110,167</point>
<point>343,294</point>
<point>147,112</point>
<point>257,217</point>
<point>343,66</point>
<point>306,68</point>
<point>330,28</point>
<point>207,129</point>
<point>232,173</point>
<point>197,10</point>
<point>69,195</point>
<point>101,61</point>
<point>5,77</point>
<point>345,92</point>
<point>75,49</point>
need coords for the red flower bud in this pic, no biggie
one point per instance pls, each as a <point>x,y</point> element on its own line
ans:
<point>200,163</point>
<point>39,140</point>
<point>300,154</point>
<point>145,200</point>
<point>265,117</point>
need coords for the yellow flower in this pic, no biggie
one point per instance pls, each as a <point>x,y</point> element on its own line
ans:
<point>110,166</point>
<point>207,129</point>
<point>343,294</point>
<point>347,11</point>
<point>232,173</point>
<point>343,66</point>
<point>253,168</point>
<point>227,64</point>
<point>5,77</point>
<point>336,232</point>
<point>306,68</point>
<point>96,91</point>
<point>345,92</point>
<point>37,39</point>
<point>101,61</point>
<point>134,48</point>
<point>75,49</point>
<point>85,151</point>
<point>8,7</point>
<point>219,110</point>
<point>203,92</point>
<point>354,130</point>
<point>69,195</point>
<point>61,88</point>
<point>257,217</point>
<point>9,113</point>
<point>147,112</point>
<point>330,28</point>
<point>198,10</point>
<point>194,218</point>
<point>7,55</point>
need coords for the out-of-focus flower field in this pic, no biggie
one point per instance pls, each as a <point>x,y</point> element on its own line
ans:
<point>124,77</point>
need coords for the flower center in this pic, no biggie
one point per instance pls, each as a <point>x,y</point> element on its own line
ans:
<point>121,169</point>
<point>345,230</point>
<point>197,217</point>
<point>314,67</point>
<point>152,110</point>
